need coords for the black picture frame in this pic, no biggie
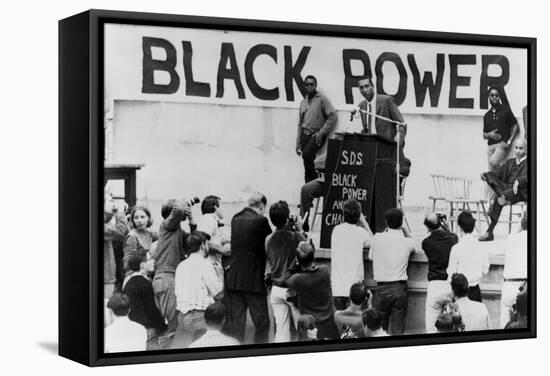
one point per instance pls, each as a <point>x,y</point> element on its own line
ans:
<point>81,146</point>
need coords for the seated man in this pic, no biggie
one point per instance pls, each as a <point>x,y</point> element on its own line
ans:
<point>123,334</point>
<point>350,321</point>
<point>313,291</point>
<point>372,320</point>
<point>509,182</point>
<point>214,316</point>
<point>518,318</point>
<point>474,314</point>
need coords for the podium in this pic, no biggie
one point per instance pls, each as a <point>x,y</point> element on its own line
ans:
<point>362,167</point>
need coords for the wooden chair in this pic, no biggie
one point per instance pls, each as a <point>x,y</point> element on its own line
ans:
<point>466,194</point>
<point>439,189</point>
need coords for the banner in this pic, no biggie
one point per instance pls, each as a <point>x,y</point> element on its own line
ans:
<point>268,69</point>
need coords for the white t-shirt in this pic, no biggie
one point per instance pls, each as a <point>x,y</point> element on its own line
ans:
<point>125,335</point>
<point>347,244</point>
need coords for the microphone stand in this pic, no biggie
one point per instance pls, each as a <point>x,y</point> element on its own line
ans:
<point>398,141</point>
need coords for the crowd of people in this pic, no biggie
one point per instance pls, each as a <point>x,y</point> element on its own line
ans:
<point>189,286</point>
<point>186,289</point>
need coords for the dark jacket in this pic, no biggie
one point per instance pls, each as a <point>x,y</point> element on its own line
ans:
<point>505,176</point>
<point>143,309</point>
<point>247,261</point>
<point>437,248</point>
<point>385,106</point>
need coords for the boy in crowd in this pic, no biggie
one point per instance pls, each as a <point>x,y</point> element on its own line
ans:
<point>312,287</point>
<point>350,321</point>
<point>214,317</point>
<point>123,334</point>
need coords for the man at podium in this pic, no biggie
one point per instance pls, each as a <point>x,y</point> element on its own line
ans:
<point>376,110</point>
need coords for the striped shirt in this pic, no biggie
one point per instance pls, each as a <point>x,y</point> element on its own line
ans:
<point>196,284</point>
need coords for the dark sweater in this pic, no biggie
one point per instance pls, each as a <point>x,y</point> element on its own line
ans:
<point>437,248</point>
<point>281,254</point>
<point>313,291</point>
<point>143,309</point>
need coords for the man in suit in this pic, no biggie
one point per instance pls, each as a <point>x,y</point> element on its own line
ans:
<point>383,105</point>
<point>509,182</point>
<point>244,282</point>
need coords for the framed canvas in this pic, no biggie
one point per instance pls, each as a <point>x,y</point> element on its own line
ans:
<point>257,187</point>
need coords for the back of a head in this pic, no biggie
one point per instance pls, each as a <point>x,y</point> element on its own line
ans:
<point>167,208</point>
<point>119,304</point>
<point>459,285</point>
<point>209,204</point>
<point>352,211</point>
<point>394,218</point>
<point>214,315</point>
<point>195,240</point>
<point>135,260</point>
<point>305,253</point>
<point>372,319</point>
<point>444,323</point>
<point>466,222</point>
<point>358,293</point>
<point>524,221</point>
<point>256,200</point>
<point>279,213</point>
<point>432,221</point>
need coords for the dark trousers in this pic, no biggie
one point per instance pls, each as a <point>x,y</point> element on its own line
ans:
<point>236,303</point>
<point>309,151</point>
<point>309,192</point>
<point>474,293</point>
<point>327,329</point>
<point>501,189</point>
<point>391,300</point>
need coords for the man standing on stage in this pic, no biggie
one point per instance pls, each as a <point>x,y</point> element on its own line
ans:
<point>500,128</point>
<point>383,105</point>
<point>317,121</point>
<point>509,182</point>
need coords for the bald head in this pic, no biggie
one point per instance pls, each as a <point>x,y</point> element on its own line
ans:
<point>521,148</point>
<point>432,221</point>
<point>257,201</point>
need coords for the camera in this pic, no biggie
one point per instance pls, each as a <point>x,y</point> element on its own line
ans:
<point>193,201</point>
<point>443,221</point>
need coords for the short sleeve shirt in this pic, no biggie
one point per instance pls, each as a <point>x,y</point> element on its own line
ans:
<point>502,120</point>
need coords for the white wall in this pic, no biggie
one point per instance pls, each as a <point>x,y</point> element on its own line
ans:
<point>200,149</point>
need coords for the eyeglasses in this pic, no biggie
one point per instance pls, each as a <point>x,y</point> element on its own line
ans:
<point>309,84</point>
<point>494,95</point>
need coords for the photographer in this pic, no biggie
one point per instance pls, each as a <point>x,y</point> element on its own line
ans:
<point>281,256</point>
<point>437,247</point>
<point>115,228</point>
<point>169,253</point>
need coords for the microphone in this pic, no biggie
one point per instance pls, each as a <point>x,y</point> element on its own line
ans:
<point>352,114</point>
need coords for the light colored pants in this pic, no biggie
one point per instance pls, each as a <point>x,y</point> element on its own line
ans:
<point>438,294</point>
<point>281,312</point>
<point>508,297</point>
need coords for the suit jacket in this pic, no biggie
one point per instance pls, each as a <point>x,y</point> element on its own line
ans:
<point>247,261</point>
<point>509,172</point>
<point>385,106</point>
